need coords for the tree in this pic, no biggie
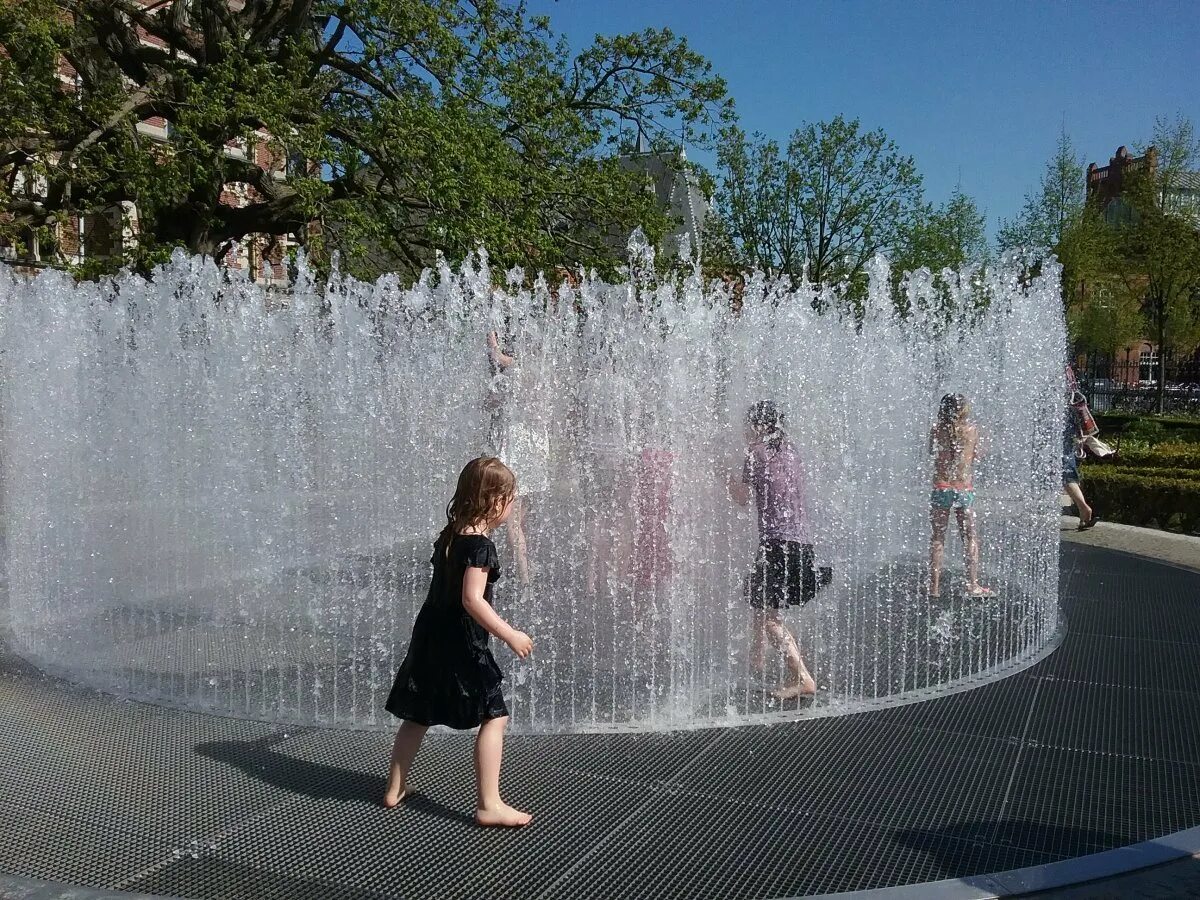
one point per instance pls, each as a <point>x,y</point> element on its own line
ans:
<point>1157,258</point>
<point>830,200</point>
<point>951,236</point>
<point>407,125</point>
<point>1056,218</point>
<point>1054,207</point>
<point>1109,320</point>
<point>1177,154</point>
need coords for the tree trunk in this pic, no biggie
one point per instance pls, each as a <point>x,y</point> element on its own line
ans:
<point>1160,390</point>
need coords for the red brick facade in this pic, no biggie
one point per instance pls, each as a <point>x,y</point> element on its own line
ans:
<point>262,256</point>
<point>1106,184</point>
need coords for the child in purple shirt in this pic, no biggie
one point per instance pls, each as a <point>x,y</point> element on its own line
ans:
<point>783,573</point>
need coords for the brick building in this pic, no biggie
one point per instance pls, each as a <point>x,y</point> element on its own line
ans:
<point>1137,363</point>
<point>78,239</point>
<point>1105,185</point>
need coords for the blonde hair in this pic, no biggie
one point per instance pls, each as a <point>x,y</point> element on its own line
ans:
<point>485,487</point>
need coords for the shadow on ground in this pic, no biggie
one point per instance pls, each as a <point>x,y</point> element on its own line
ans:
<point>977,846</point>
<point>260,759</point>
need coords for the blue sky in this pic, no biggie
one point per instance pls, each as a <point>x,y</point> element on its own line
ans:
<point>972,89</point>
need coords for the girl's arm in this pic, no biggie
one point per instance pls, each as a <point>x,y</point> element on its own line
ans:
<point>474,583</point>
<point>502,359</point>
<point>739,490</point>
<point>738,484</point>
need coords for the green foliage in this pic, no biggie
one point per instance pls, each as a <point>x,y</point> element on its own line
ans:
<point>1177,148</point>
<point>1057,219</point>
<point>1150,481</point>
<point>1145,496</point>
<point>1174,428</point>
<point>946,240</point>
<point>1145,431</point>
<point>410,125</point>
<point>1102,316</point>
<point>1136,275</point>
<point>1157,254</point>
<point>1154,247</point>
<point>828,201</point>
<point>951,236</point>
<point>1184,474</point>
<point>1049,212</point>
<point>1173,455</point>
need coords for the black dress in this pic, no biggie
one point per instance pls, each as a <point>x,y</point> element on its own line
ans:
<point>449,676</point>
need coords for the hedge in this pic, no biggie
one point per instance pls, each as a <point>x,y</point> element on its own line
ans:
<point>1087,469</point>
<point>1137,497</point>
<point>1164,456</point>
<point>1119,421</point>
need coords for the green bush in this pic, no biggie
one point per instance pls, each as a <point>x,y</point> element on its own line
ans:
<point>1087,469</point>
<point>1145,431</point>
<point>1137,497</point>
<point>1162,456</point>
<point>1162,428</point>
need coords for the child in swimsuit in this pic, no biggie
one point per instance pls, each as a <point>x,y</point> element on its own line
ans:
<point>954,444</point>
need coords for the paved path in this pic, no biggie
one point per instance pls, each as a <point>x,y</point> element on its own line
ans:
<point>1182,877</point>
<point>1171,880</point>
<point>1165,882</point>
<point>1178,549</point>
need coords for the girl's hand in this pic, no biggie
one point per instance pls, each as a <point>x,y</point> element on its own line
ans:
<point>493,342</point>
<point>521,643</point>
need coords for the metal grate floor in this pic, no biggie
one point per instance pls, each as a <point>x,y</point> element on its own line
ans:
<point>1095,747</point>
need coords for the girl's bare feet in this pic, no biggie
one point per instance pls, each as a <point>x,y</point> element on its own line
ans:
<point>392,800</point>
<point>503,816</point>
<point>806,687</point>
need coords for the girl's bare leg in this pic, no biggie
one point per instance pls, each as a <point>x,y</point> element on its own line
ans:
<point>758,641</point>
<point>801,682</point>
<point>489,751</point>
<point>1075,492</point>
<point>404,749</point>
<point>938,519</point>
<point>970,542</point>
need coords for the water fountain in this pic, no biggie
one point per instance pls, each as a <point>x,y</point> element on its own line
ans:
<point>224,498</point>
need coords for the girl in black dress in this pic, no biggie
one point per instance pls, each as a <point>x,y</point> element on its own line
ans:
<point>449,676</point>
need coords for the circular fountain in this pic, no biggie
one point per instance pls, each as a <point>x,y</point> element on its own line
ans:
<point>224,498</point>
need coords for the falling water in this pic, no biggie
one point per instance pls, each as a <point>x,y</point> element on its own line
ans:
<point>224,498</point>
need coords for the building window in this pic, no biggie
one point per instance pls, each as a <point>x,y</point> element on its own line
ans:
<point>1148,365</point>
<point>1118,212</point>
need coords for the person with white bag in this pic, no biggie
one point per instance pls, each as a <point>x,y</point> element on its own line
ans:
<point>1075,437</point>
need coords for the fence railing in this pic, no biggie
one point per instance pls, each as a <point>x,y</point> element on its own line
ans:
<point>1122,385</point>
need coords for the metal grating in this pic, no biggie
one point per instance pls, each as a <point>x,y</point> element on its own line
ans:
<point>1095,747</point>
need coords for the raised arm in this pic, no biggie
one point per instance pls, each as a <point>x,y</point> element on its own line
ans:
<point>499,357</point>
<point>474,584</point>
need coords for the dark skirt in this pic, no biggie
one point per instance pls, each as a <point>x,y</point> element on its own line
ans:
<point>784,575</point>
